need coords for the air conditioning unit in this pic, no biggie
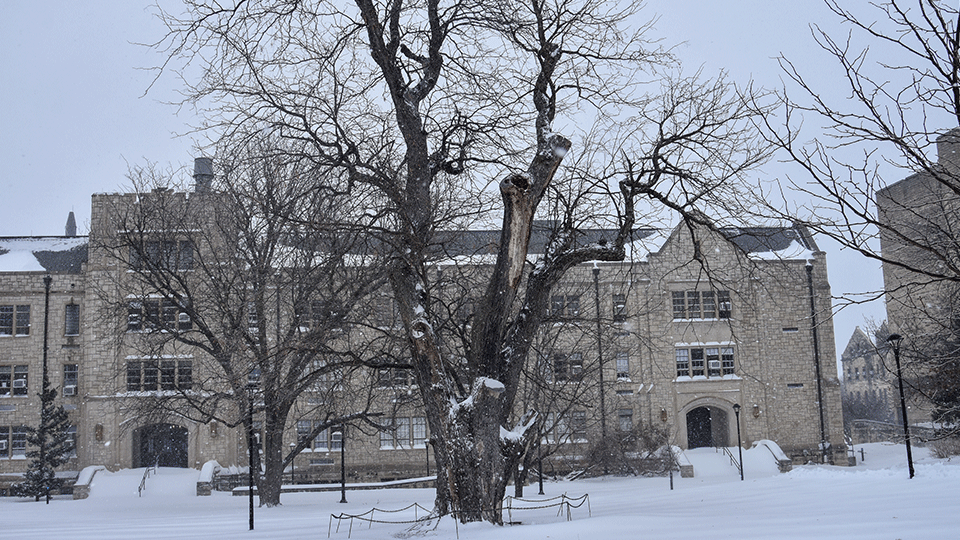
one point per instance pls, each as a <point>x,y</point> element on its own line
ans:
<point>714,364</point>
<point>20,383</point>
<point>3,445</point>
<point>69,390</point>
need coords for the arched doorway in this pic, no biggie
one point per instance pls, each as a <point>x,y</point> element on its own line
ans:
<point>160,444</point>
<point>707,426</point>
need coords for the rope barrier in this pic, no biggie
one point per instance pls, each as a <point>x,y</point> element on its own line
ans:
<point>561,502</point>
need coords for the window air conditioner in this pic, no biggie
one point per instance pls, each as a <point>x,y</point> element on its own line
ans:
<point>20,383</point>
<point>69,390</point>
<point>3,445</point>
<point>714,364</point>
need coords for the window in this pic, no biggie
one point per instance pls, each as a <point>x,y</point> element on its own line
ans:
<point>18,442</point>
<point>13,381</point>
<point>419,431</point>
<point>157,314</point>
<point>623,365</point>
<point>556,305</point>
<point>330,374</point>
<point>23,320</point>
<point>567,368</point>
<point>386,436</point>
<point>71,442</point>
<point>304,427</point>
<point>253,320</point>
<point>13,442</point>
<point>725,306</point>
<point>701,304</point>
<point>151,375</point>
<point>625,420</point>
<point>404,433</point>
<point>162,255</point>
<point>71,376</point>
<point>6,320</point>
<point>385,312</point>
<point>619,308</point>
<point>683,363</point>
<point>326,440</point>
<point>710,362</point>
<point>313,313</point>
<point>336,439</point>
<point>393,378</point>
<point>71,320</point>
<point>15,320</point>
<point>565,306</point>
<point>578,426</point>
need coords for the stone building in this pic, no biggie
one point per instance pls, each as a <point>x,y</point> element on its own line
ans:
<point>667,342</point>
<point>921,245</point>
<point>869,394</point>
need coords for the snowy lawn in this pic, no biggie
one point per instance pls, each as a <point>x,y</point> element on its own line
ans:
<point>873,500</point>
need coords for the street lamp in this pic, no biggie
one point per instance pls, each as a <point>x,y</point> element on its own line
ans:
<point>251,389</point>
<point>736,411</point>
<point>343,470</point>
<point>895,340</point>
<point>603,408</point>
<point>293,464</point>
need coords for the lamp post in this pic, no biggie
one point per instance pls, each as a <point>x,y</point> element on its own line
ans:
<point>895,340</point>
<point>603,408</point>
<point>251,388</point>
<point>44,394</point>
<point>343,470</point>
<point>736,411</point>
<point>540,464</point>
<point>293,465</point>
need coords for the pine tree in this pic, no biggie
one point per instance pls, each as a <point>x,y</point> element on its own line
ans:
<point>51,440</point>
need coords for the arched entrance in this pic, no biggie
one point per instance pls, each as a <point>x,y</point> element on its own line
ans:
<point>707,426</point>
<point>160,444</point>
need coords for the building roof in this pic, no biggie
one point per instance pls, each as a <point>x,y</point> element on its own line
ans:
<point>791,242</point>
<point>60,254</point>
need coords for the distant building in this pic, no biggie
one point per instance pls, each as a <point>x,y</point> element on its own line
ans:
<point>921,224</point>
<point>689,328</point>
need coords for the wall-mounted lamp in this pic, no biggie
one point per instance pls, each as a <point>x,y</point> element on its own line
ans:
<point>756,410</point>
<point>663,415</point>
<point>213,430</point>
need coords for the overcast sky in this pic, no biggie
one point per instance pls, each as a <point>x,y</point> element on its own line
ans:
<point>74,115</point>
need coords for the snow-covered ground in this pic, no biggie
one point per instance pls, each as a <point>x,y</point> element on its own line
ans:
<point>873,500</point>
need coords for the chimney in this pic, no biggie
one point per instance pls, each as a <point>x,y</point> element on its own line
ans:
<point>71,228</point>
<point>948,150</point>
<point>202,174</point>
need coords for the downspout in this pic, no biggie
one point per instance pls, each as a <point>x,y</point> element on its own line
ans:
<point>816,359</point>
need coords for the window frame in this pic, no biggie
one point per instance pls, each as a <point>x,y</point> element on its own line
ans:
<point>712,361</point>
<point>701,305</point>
<point>162,374</point>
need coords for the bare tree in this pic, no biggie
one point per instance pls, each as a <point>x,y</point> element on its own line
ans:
<point>902,101</point>
<point>242,290</point>
<point>423,102</point>
<point>883,178</point>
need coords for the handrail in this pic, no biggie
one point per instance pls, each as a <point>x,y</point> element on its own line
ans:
<point>733,460</point>
<point>143,481</point>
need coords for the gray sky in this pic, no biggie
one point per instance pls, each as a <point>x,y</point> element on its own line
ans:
<point>74,115</point>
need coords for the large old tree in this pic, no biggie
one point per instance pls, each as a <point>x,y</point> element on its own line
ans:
<point>426,102</point>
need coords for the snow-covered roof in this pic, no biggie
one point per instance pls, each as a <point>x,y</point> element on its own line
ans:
<point>62,254</point>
